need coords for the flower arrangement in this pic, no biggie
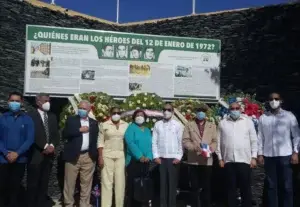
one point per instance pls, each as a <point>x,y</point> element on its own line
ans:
<point>188,109</point>
<point>101,104</point>
<point>150,102</point>
<point>249,106</point>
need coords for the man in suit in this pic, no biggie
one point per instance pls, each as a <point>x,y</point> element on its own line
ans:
<point>42,152</point>
<point>80,154</point>
<point>196,134</point>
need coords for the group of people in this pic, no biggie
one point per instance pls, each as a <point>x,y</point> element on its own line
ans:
<point>124,150</point>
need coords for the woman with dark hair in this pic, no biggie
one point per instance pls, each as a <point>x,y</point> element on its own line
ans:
<point>112,159</point>
<point>139,153</point>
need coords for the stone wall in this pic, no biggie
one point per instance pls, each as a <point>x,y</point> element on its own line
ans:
<point>260,49</point>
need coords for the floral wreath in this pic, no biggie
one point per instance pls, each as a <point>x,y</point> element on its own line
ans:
<point>151,103</point>
<point>188,109</point>
<point>101,104</point>
<point>249,106</point>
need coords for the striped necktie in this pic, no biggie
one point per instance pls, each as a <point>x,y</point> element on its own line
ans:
<point>46,125</point>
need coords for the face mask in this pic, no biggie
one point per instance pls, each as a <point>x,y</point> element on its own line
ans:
<point>168,114</point>
<point>46,106</point>
<point>115,117</point>
<point>82,113</point>
<point>139,120</point>
<point>235,114</point>
<point>274,104</point>
<point>200,115</point>
<point>14,106</point>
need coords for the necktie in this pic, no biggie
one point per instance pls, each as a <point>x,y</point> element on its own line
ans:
<point>46,126</point>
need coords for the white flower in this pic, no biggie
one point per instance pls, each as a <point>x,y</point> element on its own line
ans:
<point>100,114</point>
<point>138,101</point>
<point>124,101</point>
<point>183,113</point>
<point>239,99</point>
<point>137,107</point>
<point>154,120</point>
<point>145,94</point>
<point>147,120</point>
<point>134,95</point>
<point>189,111</point>
<point>153,95</point>
<point>151,103</point>
<point>66,117</point>
<point>144,105</point>
<point>130,105</point>
<point>145,98</point>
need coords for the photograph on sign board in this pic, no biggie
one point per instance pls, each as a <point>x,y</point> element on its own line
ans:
<point>183,71</point>
<point>41,49</point>
<point>40,67</point>
<point>134,87</point>
<point>122,52</point>
<point>149,53</point>
<point>108,51</point>
<point>139,70</point>
<point>88,75</point>
<point>165,65</point>
<point>135,52</point>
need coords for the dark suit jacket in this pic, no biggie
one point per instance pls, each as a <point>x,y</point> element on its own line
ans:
<point>73,138</point>
<point>36,155</point>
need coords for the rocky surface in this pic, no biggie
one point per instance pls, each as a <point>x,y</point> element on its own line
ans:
<point>260,51</point>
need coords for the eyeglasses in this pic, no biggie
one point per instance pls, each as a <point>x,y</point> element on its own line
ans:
<point>116,113</point>
<point>235,108</point>
<point>276,99</point>
<point>170,110</point>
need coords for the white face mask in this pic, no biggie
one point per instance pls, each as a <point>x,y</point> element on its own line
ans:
<point>168,114</point>
<point>139,120</point>
<point>46,106</point>
<point>274,104</point>
<point>115,117</point>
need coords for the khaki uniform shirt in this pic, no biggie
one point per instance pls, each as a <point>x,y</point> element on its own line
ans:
<point>111,139</point>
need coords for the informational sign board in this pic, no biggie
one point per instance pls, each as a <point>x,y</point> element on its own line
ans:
<point>65,61</point>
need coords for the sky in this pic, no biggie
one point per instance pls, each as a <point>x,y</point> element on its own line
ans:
<point>140,10</point>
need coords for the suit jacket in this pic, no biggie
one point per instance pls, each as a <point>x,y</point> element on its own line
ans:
<point>73,138</point>
<point>192,139</point>
<point>36,155</point>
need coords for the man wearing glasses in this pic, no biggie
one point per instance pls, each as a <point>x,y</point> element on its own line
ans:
<point>278,142</point>
<point>167,153</point>
<point>237,151</point>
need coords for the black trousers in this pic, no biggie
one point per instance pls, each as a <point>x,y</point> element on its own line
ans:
<point>37,183</point>
<point>200,177</point>
<point>168,183</point>
<point>11,176</point>
<point>238,174</point>
<point>134,170</point>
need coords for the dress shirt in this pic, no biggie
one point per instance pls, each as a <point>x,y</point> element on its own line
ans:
<point>85,136</point>
<point>278,134</point>
<point>111,139</point>
<point>237,141</point>
<point>167,139</point>
<point>42,116</point>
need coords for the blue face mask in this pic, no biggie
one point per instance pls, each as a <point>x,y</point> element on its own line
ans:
<point>14,106</point>
<point>200,115</point>
<point>235,114</point>
<point>82,113</point>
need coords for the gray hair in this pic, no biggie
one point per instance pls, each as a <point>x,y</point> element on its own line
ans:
<point>86,102</point>
<point>40,95</point>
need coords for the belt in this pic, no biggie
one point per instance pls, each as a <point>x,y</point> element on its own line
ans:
<point>84,151</point>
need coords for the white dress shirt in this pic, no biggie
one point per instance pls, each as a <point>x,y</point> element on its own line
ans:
<point>237,140</point>
<point>42,116</point>
<point>167,139</point>
<point>85,136</point>
<point>278,134</point>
